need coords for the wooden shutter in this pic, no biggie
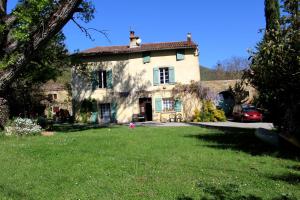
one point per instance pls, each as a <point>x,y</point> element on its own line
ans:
<point>94,79</point>
<point>109,79</point>
<point>114,112</point>
<point>180,54</point>
<point>146,57</point>
<point>177,105</point>
<point>158,104</point>
<point>171,75</point>
<point>155,76</point>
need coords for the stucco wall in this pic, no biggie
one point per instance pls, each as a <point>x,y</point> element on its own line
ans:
<point>131,75</point>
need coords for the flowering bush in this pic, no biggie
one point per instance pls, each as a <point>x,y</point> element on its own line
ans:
<point>22,126</point>
<point>209,113</point>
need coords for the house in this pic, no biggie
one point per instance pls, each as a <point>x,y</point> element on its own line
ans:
<point>136,80</point>
<point>57,98</point>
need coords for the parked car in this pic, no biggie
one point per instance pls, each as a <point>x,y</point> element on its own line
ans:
<point>246,113</point>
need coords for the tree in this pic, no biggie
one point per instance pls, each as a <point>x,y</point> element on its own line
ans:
<point>24,94</point>
<point>28,29</point>
<point>275,69</point>
<point>272,14</point>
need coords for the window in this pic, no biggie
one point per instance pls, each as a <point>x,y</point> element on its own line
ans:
<point>105,111</point>
<point>168,104</point>
<point>54,96</point>
<point>164,75</point>
<point>146,57</point>
<point>180,54</point>
<point>102,79</point>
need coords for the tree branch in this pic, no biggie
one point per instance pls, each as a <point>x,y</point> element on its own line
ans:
<point>46,31</point>
<point>87,33</point>
<point>3,6</point>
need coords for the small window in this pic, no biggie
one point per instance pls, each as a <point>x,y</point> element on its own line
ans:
<point>102,79</point>
<point>54,96</point>
<point>168,104</point>
<point>164,75</point>
<point>180,54</point>
<point>146,57</point>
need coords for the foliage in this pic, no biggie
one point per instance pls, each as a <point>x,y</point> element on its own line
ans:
<point>195,87</point>
<point>239,92</point>
<point>145,163</point>
<point>275,70</point>
<point>4,112</point>
<point>22,127</point>
<point>228,69</point>
<point>209,113</point>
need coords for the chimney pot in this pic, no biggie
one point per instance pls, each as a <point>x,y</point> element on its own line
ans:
<point>189,38</point>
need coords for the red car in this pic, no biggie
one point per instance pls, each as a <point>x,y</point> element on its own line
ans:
<point>246,113</point>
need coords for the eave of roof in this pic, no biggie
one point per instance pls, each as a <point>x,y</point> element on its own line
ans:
<point>114,50</point>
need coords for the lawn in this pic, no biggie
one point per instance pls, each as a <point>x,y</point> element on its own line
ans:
<point>146,163</point>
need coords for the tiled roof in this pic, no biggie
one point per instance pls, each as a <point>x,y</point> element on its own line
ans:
<point>143,48</point>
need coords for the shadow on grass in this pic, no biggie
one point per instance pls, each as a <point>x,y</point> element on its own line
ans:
<point>290,178</point>
<point>12,193</point>
<point>242,139</point>
<point>77,127</point>
<point>228,191</point>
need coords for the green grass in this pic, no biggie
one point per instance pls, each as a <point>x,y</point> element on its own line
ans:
<point>146,163</point>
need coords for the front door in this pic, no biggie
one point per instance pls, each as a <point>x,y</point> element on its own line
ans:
<point>146,108</point>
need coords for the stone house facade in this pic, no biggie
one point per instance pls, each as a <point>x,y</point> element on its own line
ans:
<point>136,80</point>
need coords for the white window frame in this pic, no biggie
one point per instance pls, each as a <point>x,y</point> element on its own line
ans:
<point>168,104</point>
<point>164,71</point>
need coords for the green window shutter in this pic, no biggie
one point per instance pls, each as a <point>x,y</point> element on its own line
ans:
<point>171,75</point>
<point>177,105</point>
<point>109,79</point>
<point>114,112</point>
<point>180,54</point>
<point>155,76</point>
<point>158,104</point>
<point>94,79</point>
<point>146,57</point>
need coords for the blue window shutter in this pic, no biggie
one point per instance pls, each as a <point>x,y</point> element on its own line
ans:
<point>171,75</point>
<point>155,76</point>
<point>146,57</point>
<point>158,104</point>
<point>177,106</point>
<point>94,79</point>
<point>109,79</point>
<point>114,112</point>
<point>180,54</point>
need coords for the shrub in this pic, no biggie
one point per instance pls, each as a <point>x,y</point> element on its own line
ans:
<point>4,112</point>
<point>22,127</point>
<point>209,113</point>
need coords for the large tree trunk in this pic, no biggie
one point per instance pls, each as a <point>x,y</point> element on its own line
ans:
<point>40,36</point>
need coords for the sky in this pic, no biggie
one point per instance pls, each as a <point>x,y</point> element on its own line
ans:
<point>222,29</point>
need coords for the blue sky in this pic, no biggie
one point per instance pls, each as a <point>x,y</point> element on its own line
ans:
<point>222,29</point>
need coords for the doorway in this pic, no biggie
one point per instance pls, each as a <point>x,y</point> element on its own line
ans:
<point>146,108</point>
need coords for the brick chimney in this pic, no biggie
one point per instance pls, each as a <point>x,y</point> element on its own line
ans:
<point>189,38</point>
<point>134,40</point>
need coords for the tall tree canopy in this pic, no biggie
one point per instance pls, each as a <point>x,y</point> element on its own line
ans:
<point>272,14</point>
<point>275,69</point>
<point>29,27</point>
<point>31,45</point>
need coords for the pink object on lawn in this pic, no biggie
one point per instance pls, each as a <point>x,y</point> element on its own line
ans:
<point>131,125</point>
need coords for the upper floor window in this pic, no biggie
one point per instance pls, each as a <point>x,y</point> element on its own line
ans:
<point>146,57</point>
<point>102,79</point>
<point>164,75</point>
<point>180,54</point>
